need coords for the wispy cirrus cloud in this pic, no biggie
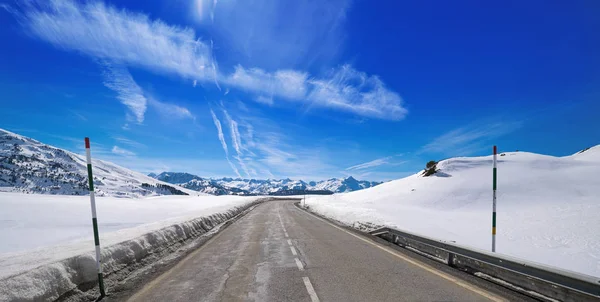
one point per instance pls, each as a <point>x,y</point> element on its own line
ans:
<point>170,111</point>
<point>313,31</point>
<point>370,164</point>
<point>129,142</point>
<point>388,160</point>
<point>104,32</point>
<point>471,138</point>
<point>284,83</point>
<point>79,115</point>
<point>115,35</point>
<point>236,141</point>
<point>350,90</point>
<point>343,88</point>
<point>221,136</point>
<point>130,94</point>
<point>123,152</point>
<point>118,79</point>
<point>268,152</point>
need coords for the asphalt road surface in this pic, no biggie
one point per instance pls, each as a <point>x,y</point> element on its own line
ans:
<point>278,252</point>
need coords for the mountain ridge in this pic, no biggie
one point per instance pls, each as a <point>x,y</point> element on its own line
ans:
<point>251,186</point>
<point>30,166</point>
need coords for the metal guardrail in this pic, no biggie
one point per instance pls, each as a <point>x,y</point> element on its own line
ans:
<point>533,279</point>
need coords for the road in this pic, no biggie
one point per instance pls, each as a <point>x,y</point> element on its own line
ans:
<point>278,252</point>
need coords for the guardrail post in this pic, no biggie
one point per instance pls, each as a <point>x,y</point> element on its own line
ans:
<point>94,218</point>
<point>451,259</point>
<point>494,176</point>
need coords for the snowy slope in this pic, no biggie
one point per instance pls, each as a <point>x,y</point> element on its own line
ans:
<point>548,207</point>
<point>31,237</point>
<point>29,166</point>
<point>588,154</point>
<point>48,248</point>
<point>240,186</point>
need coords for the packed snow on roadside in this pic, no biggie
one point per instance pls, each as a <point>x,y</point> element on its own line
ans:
<point>37,229</point>
<point>548,207</point>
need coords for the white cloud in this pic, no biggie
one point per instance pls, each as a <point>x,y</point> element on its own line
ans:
<point>371,164</point>
<point>170,111</point>
<point>79,115</point>
<point>223,142</point>
<point>195,83</point>
<point>236,141</point>
<point>128,92</point>
<point>284,83</point>
<point>119,79</point>
<point>252,29</point>
<point>220,132</point>
<point>344,88</point>
<point>387,161</point>
<point>354,91</point>
<point>105,32</point>
<point>132,39</point>
<point>268,151</point>
<point>122,152</point>
<point>471,138</point>
<point>264,100</point>
<point>129,142</point>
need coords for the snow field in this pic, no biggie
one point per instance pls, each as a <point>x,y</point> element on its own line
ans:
<point>548,209</point>
<point>133,229</point>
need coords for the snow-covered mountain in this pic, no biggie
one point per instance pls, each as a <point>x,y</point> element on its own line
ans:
<point>222,186</point>
<point>197,183</point>
<point>547,206</point>
<point>348,184</point>
<point>29,166</point>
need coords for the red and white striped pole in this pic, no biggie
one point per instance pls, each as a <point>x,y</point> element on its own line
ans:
<point>494,203</point>
<point>94,218</point>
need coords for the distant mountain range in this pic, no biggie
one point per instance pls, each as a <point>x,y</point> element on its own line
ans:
<point>239,186</point>
<point>29,166</point>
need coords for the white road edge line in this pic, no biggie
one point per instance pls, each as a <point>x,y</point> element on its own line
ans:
<point>286,235</point>
<point>293,251</point>
<point>310,289</point>
<point>289,241</point>
<point>299,264</point>
<point>414,262</point>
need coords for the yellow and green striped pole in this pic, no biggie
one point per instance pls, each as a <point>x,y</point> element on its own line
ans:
<point>494,203</point>
<point>94,218</point>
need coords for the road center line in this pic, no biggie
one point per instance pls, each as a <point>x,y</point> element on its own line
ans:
<point>293,251</point>
<point>405,258</point>
<point>310,289</point>
<point>289,241</point>
<point>282,226</point>
<point>299,264</point>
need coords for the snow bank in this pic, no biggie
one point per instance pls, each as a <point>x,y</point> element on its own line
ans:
<point>548,209</point>
<point>130,230</point>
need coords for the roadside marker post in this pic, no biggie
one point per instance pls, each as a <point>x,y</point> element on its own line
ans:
<point>94,218</point>
<point>494,177</point>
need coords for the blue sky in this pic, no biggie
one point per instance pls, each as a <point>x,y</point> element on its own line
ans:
<point>301,89</point>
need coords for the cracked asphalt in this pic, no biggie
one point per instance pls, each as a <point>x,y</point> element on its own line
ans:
<point>252,260</point>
